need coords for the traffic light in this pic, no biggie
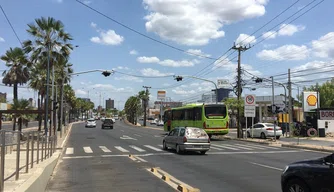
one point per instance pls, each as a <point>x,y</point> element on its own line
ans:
<point>106,73</point>
<point>270,109</point>
<point>55,105</point>
<point>258,80</point>
<point>278,109</point>
<point>178,78</point>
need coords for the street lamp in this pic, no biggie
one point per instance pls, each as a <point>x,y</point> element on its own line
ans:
<point>179,78</point>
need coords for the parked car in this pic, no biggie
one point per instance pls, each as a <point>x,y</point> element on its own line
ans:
<point>184,139</point>
<point>91,123</point>
<point>309,175</point>
<point>264,130</point>
<point>108,122</point>
<point>160,123</point>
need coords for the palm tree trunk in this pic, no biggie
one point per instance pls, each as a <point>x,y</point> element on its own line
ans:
<point>15,99</point>
<point>60,110</point>
<point>39,114</point>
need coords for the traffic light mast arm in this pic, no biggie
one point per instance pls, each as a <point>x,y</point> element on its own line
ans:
<point>207,81</point>
<point>91,71</point>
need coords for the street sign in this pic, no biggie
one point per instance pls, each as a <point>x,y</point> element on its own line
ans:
<point>250,100</point>
<point>223,83</point>
<point>161,94</point>
<point>249,111</point>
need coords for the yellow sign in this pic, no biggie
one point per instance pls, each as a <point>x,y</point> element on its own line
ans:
<point>311,100</point>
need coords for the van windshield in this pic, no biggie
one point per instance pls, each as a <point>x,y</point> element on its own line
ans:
<point>215,111</point>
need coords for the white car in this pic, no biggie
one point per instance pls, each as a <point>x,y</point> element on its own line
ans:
<point>160,123</point>
<point>91,123</point>
<point>264,130</point>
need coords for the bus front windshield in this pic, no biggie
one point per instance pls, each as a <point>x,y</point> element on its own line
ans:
<point>215,111</point>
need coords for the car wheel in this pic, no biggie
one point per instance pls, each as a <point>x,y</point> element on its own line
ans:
<point>164,146</point>
<point>263,136</point>
<point>178,149</point>
<point>203,152</point>
<point>296,185</point>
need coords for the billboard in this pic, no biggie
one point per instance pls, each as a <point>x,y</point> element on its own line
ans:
<point>223,83</point>
<point>161,95</point>
<point>310,100</point>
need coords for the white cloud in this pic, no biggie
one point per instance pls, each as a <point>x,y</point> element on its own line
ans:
<point>87,2</point>
<point>245,39</point>
<point>196,23</point>
<point>121,67</point>
<point>325,69</point>
<point>80,92</point>
<point>324,46</point>
<point>153,72</point>
<point>92,24</point>
<point>128,78</point>
<point>180,91</point>
<point>197,52</point>
<point>285,52</point>
<point>285,30</point>
<point>111,88</point>
<point>167,62</point>
<point>133,52</point>
<point>59,1</point>
<point>148,59</point>
<point>166,84</point>
<point>108,38</point>
<point>2,39</point>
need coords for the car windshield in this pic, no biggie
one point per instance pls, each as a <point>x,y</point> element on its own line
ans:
<point>108,120</point>
<point>215,111</point>
<point>91,120</point>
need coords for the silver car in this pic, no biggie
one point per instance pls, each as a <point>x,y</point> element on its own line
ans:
<point>187,139</point>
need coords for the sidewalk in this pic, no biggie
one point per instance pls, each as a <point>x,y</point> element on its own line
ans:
<point>38,174</point>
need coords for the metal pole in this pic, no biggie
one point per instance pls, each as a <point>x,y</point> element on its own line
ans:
<point>55,112</point>
<point>2,173</point>
<point>18,153</point>
<point>290,103</point>
<point>42,156</point>
<point>38,147</point>
<point>32,149</point>
<point>252,126</point>
<point>62,109</point>
<point>52,96</point>
<point>46,104</point>
<point>273,102</point>
<point>246,128</point>
<point>27,153</point>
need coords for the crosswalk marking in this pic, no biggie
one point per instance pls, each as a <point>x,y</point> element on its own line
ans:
<point>137,135</point>
<point>105,149</point>
<point>250,146</point>
<point>151,147</point>
<point>121,149</point>
<point>265,146</point>
<point>219,149</point>
<point>226,147</point>
<point>69,151</point>
<point>136,148</point>
<point>241,147</point>
<point>87,150</point>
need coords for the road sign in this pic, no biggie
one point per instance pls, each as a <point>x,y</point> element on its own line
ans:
<point>223,83</point>
<point>250,100</point>
<point>161,94</point>
<point>249,111</point>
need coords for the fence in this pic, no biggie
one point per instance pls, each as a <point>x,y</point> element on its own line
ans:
<point>32,142</point>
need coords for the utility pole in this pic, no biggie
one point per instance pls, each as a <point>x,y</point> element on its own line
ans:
<point>273,108</point>
<point>290,101</point>
<point>239,48</point>
<point>145,102</point>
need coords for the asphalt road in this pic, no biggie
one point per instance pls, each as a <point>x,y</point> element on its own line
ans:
<point>9,127</point>
<point>97,160</point>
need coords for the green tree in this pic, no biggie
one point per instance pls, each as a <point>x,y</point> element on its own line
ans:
<point>132,107</point>
<point>18,72</point>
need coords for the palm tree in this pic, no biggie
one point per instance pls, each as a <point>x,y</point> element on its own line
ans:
<point>18,72</point>
<point>23,119</point>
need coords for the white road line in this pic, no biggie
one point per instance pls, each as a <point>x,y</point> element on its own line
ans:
<point>222,146</point>
<point>69,151</point>
<point>122,130</point>
<point>137,135</point>
<point>157,136</point>
<point>141,159</point>
<point>160,146</point>
<point>255,147</point>
<point>249,152</point>
<point>241,147</point>
<point>266,166</point>
<point>78,157</point>
<point>264,146</point>
<point>219,149</point>
<point>151,147</point>
<point>105,149</point>
<point>136,148</point>
<point>121,149</point>
<point>87,150</point>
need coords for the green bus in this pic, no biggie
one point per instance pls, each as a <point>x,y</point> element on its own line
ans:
<point>213,118</point>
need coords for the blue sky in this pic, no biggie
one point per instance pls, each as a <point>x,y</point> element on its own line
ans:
<point>205,27</point>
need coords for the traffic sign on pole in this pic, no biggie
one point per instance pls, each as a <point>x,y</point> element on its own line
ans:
<point>250,106</point>
<point>250,100</point>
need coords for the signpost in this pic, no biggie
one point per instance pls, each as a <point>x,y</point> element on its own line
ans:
<point>250,110</point>
<point>161,96</point>
<point>223,83</point>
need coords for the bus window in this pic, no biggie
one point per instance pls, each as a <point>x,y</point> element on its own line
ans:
<point>215,110</point>
<point>197,113</point>
<point>189,114</point>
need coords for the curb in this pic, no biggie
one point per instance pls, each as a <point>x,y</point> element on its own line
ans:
<point>295,146</point>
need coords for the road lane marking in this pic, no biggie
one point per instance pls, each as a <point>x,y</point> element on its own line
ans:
<point>78,157</point>
<point>219,149</point>
<point>105,149</point>
<point>249,152</point>
<point>121,149</point>
<point>141,159</point>
<point>87,150</point>
<point>151,147</point>
<point>266,166</point>
<point>122,130</point>
<point>226,147</point>
<point>160,146</point>
<point>157,136</point>
<point>127,137</point>
<point>255,147</point>
<point>69,151</point>
<point>264,146</point>
<point>137,135</point>
<point>117,155</point>
<point>136,148</point>
<point>241,147</point>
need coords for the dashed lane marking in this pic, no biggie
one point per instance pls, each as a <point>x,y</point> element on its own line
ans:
<point>121,149</point>
<point>69,151</point>
<point>87,150</point>
<point>154,148</point>
<point>105,149</point>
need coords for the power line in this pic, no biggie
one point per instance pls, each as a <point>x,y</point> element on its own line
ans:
<point>3,11</point>
<point>140,76</point>
<point>142,34</point>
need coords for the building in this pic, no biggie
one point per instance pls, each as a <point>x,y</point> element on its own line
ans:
<point>110,104</point>
<point>99,108</point>
<point>3,97</point>
<point>208,98</point>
